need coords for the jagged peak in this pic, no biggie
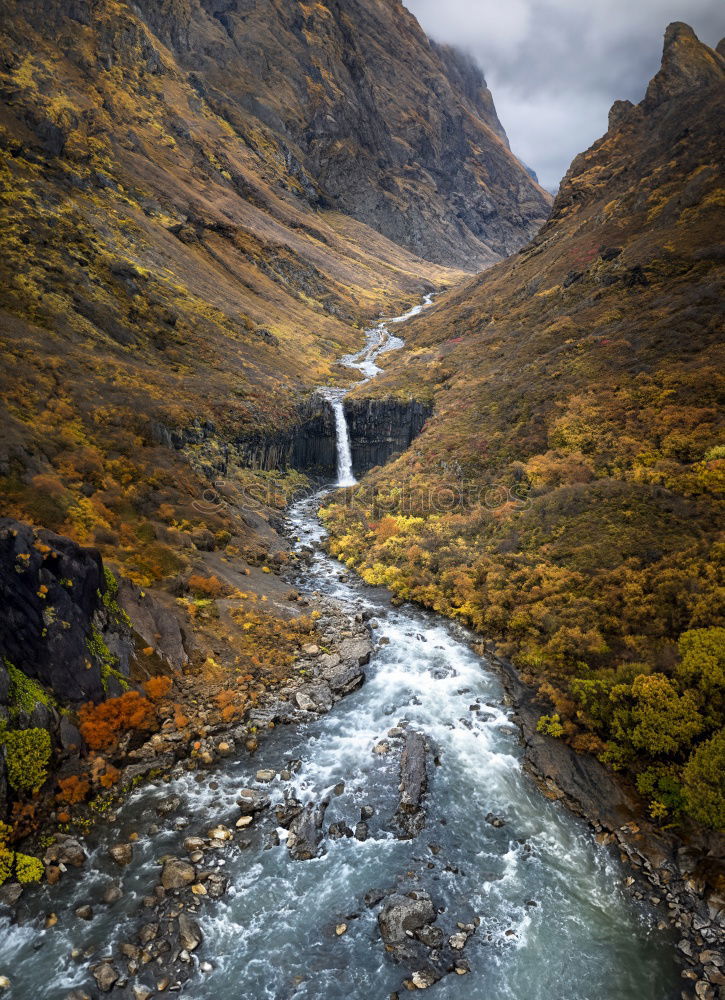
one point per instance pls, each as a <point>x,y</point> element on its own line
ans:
<point>687,65</point>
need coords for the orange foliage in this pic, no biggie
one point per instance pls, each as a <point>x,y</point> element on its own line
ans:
<point>102,725</point>
<point>209,586</point>
<point>157,687</point>
<point>73,789</point>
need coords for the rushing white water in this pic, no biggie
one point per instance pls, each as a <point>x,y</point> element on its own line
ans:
<point>556,921</point>
<point>378,340</point>
<point>345,476</point>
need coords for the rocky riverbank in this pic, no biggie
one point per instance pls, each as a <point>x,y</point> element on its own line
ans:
<point>684,874</point>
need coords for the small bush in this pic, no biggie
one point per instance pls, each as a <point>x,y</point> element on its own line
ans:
<point>157,687</point>
<point>551,725</point>
<point>27,753</point>
<point>103,725</point>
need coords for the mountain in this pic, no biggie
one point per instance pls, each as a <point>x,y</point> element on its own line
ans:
<point>197,200</point>
<point>565,496</point>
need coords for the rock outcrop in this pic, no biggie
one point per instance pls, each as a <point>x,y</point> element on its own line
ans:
<point>60,625</point>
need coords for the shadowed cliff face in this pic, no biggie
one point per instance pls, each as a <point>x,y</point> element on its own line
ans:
<point>379,122</point>
<point>576,391</point>
<point>380,429</point>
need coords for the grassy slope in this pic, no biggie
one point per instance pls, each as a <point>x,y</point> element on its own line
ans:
<point>566,495</point>
<point>162,271</point>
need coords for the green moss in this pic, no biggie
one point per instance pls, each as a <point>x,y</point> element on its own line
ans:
<point>27,754</point>
<point>100,652</point>
<point>110,600</point>
<point>25,692</point>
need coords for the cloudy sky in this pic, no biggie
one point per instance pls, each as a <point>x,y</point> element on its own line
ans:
<point>556,66</point>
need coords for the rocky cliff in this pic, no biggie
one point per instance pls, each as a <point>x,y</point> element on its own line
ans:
<point>376,120</point>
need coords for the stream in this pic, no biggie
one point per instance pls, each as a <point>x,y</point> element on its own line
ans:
<point>556,922</point>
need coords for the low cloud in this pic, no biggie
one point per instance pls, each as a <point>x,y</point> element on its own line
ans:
<point>556,66</point>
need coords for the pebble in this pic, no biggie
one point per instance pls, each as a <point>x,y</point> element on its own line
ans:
<point>4,983</point>
<point>340,929</point>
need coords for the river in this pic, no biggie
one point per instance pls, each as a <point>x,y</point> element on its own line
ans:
<point>556,921</point>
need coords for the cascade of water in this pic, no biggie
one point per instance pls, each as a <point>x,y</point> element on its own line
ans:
<point>345,475</point>
<point>378,340</point>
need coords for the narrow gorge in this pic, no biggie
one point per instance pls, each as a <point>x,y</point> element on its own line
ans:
<point>403,811</point>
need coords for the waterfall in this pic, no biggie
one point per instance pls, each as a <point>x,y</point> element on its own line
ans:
<point>344,452</point>
<point>378,340</point>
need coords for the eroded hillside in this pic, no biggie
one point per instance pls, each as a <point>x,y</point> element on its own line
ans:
<point>566,495</point>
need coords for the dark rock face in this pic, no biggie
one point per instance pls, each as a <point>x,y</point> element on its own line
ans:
<point>381,429</point>
<point>50,590</point>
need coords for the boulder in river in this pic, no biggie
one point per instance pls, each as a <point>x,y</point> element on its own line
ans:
<point>177,874</point>
<point>251,801</point>
<point>190,936</point>
<point>404,913</point>
<point>122,854</point>
<point>106,975</point>
<point>413,783</point>
<point>305,831</point>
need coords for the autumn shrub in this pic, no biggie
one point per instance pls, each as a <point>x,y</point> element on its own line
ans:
<point>550,725</point>
<point>27,755</point>
<point>157,687</point>
<point>703,787</point>
<point>206,586</point>
<point>103,725</point>
<point>73,790</point>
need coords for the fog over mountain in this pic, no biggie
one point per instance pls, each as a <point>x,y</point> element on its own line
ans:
<point>556,66</point>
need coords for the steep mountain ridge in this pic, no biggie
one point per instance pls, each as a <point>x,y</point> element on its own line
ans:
<point>566,495</point>
<point>397,131</point>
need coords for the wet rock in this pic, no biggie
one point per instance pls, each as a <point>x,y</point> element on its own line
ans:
<point>361,831</point>
<point>65,851</point>
<point>10,893</point>
<point>141,993</point>
<point>314,698</point>
<point>84,912</point>
<point>190,936</point>
<point>106,976</point>
<point>404,913</point>
<point>252,801</point>
<point>430,936</point>
<point>122,854</point>
<point>112,894</point>
<point>367,812</point>
<point>193,844</point>
<point>344,678</point>
<point>287,811</point>
<point>148,932</point>
<point>413,783</point>
<point>265,775</point>
<point>424,978</point>
<point>73,995</point>
<point>373,896</point>
<point>495,821</point>
<point>177,874</point>
<point>220,833</point>
<point>5,983</point>
<point>356,651</point>
<point>168,805</point>
<point>305,834</point>
<point>337,831</point>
